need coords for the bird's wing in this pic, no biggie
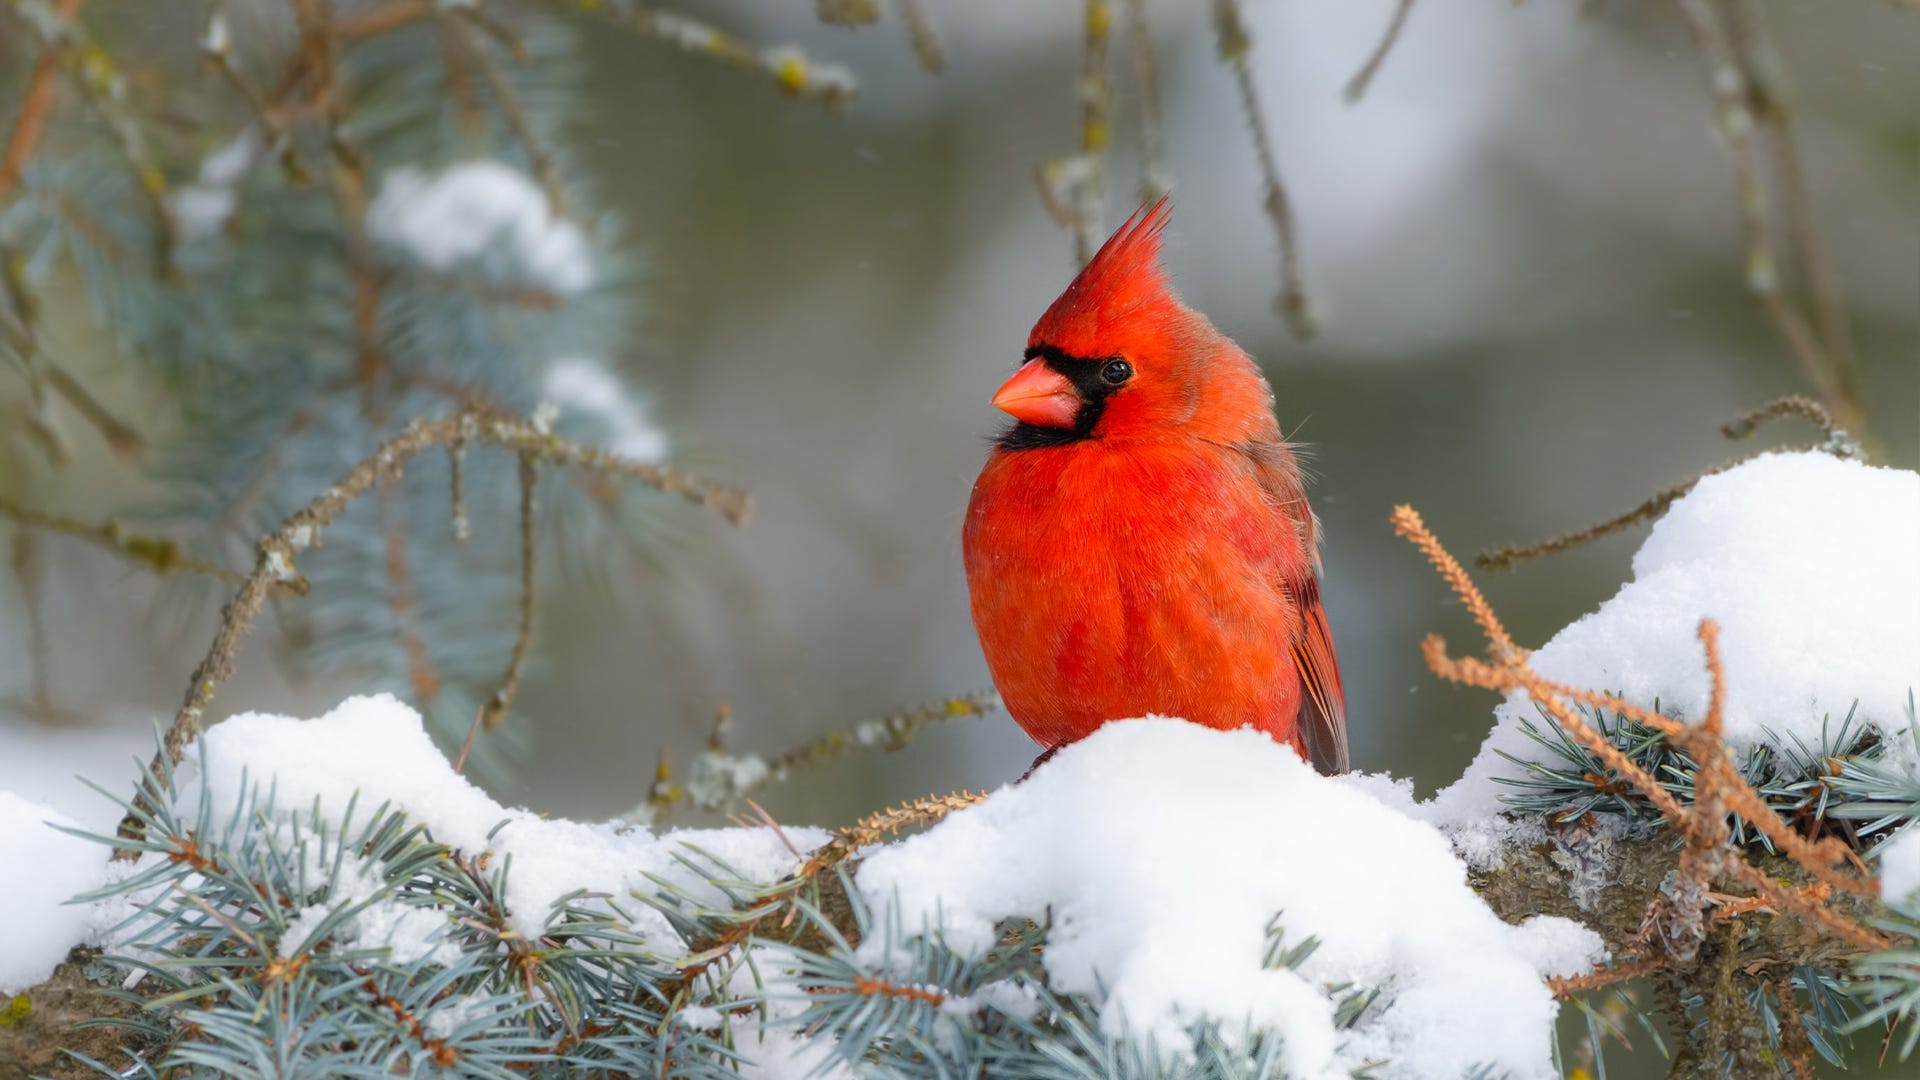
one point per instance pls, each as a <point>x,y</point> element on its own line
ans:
<point>1322,721</point>
<point>1323,703</point>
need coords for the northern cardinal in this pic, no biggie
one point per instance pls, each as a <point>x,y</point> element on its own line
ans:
<point>1140,540</point>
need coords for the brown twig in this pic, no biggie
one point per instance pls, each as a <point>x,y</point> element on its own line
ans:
<point>877,826</point>
<point>494,712</point>
<point>35,104</point>
<point>120,436</point>
<point>1408,523</point>
<point>1357,86</point>
<point>275,570</point>
<point>1293,303</point>
<point>1566,986</point>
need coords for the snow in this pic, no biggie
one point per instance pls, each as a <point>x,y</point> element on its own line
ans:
<point>1807,563</point>
<point>379,747</point>
<point>1900,866</point>
<point>585,388</point>
<point>1162,851</point>
<point>203,208</point>
<point>485,212</point>
<point>37,926</point>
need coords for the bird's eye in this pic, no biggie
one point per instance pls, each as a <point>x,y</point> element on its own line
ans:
<point>1116,372</point>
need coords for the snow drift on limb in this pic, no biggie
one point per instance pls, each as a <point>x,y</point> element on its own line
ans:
<point>1807,563</point>
<point>1163,851</point>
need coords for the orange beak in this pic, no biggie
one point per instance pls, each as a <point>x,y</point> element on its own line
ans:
<point>1039,395</point>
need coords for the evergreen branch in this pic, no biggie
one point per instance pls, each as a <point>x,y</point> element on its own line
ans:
<point>1357,86</point>
<point>274,568</point>
<point>35,103</point>
<point>1293,303</point>
<point>161,555</point>
<point>1674,916</point>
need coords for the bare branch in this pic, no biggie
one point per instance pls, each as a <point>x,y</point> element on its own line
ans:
<point>1293,304</point>
<point>35,104</point>
<point>1357,86</point>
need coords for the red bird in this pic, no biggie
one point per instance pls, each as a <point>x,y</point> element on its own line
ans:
<point>1140,541</point>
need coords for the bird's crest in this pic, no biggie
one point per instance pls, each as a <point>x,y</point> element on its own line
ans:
<point>1122,286</point>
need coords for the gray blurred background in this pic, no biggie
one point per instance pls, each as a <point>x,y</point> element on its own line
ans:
<point>1523,244</point>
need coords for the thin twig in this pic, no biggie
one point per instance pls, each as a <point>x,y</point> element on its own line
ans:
<point>1154,180</point>
<point>161,555</point>
<point>1837,442</point>
<point>35,104</point>
<point>1767,83</point>
<point>421,674</point>
<point>891,732</point>
<point>1675,920</point>
<point>1357,86</point>
<point>792,71</point>
<point>120,436</point>
<point>1074,189</point>
<point>1566,986</point>
<point>494,712</point>
<point>1293,303</point>
<point>1408,523</point>
<point>1733,96</point>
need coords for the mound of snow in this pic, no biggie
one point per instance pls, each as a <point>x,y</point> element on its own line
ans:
<point>46,868</point>
<point>1162,851</point>
<point>1811,566</point>
<point>378,748</point>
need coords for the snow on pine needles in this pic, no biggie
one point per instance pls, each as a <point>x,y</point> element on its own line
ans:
<point>1164,852</point>
<point>484,213</point>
